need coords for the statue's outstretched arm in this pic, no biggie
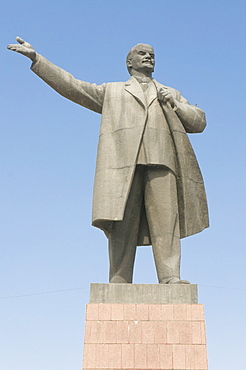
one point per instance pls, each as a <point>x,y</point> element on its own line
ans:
<point>23,48</point>
<point>88,95</point>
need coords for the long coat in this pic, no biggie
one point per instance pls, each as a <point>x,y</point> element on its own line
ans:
<point>125,113</point>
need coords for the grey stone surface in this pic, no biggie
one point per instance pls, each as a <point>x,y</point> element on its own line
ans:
<point>143,293</point>
<point>148,186</point>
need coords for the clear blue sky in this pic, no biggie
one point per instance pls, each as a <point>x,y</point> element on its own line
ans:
<point>48,151</point>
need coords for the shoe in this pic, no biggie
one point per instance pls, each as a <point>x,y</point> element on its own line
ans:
<point>174,280</point>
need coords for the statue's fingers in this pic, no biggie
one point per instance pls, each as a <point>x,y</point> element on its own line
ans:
<point>20,40</point>
<point>165,96</point>
<point>15,47</point>
<point>11,47</point>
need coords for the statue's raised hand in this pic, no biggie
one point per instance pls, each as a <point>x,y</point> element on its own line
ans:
<point>23,48</point>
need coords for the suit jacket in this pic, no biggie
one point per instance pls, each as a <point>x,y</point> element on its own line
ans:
<point>125,116</point>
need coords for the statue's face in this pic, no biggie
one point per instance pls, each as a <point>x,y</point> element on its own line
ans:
<point>142,59</point>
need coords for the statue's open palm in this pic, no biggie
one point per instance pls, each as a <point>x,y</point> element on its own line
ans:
<point>23,48</point>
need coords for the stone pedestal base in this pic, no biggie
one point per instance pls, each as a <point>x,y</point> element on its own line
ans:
<point>139,336</point>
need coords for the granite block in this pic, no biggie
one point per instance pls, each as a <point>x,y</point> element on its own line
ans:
<point>197,312</point>
<point>127,356</point>
<point>140,359</point>
<point>180,312</point>
<point>153,356</point>
<point>122,331</point>
<point>185,332</point>
<point>200,357</point>
<point>173,332</point>
<point>142,312</point>
<point>92,312</point>
<point>148,332</point>
<point>179,357</point>
<point>166,356</point>
<point>89,360</point>
<point>135,332</point>
<point>189,357</point>
<point>117,312</point>
<point>130,311</point>
<point>104,311</point>
<point>114,356</point>
<point>101,355</point>
<point>196,332</point>
<point>160,331</point>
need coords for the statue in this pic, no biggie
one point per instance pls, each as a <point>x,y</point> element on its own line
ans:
<point>148,186</point>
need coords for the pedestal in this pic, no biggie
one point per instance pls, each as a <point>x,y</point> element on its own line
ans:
<point>138,326</point>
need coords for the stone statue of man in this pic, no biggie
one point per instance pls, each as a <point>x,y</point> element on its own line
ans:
<point>148,186</point>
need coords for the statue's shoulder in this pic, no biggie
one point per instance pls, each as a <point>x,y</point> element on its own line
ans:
<point>116,83</point>
<point>114,87</point>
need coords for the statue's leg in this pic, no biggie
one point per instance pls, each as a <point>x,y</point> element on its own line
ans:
<point>124,234</point>
<point>161,206</point>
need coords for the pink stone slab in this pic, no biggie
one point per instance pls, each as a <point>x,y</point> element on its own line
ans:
<point>185,332</point>
<point>130,311</point>
<point>166,356</point>
<point>200,357</point>
<point>104,311</point>
<point>117,311</point>
<point>142,312</point>
<point>173,332</point>
<point>153,356</point>
<point>180,312</point>
<point>122,331</point>
<point>179,357</point>
<point>140,359</point>
<point>197,312</point>
<point>114,356</point>
<point>92,311</point>
<point>101,356</point>
<point>160,332</point>
<point>148,332</point>
<point>135,332</point>
<point>89,360</point>
<point>127,359</point>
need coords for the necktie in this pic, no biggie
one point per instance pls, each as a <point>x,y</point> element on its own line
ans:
<point>144,84</point>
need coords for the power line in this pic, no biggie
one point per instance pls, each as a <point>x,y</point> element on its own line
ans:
<point>221,287</point>
<point>42,293</point>
<point>74,289</point>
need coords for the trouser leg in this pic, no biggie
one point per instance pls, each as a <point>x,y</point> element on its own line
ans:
<point>124,234</point>
<point>161,206</point>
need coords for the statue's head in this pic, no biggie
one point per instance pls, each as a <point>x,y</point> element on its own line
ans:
<point>141,58</point>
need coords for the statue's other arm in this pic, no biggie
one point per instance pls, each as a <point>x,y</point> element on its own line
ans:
<point>192,117</point>
<point>89,95</point>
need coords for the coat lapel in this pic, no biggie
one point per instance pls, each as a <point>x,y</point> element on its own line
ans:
<point>134,88</point>
<point>151,93</point>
